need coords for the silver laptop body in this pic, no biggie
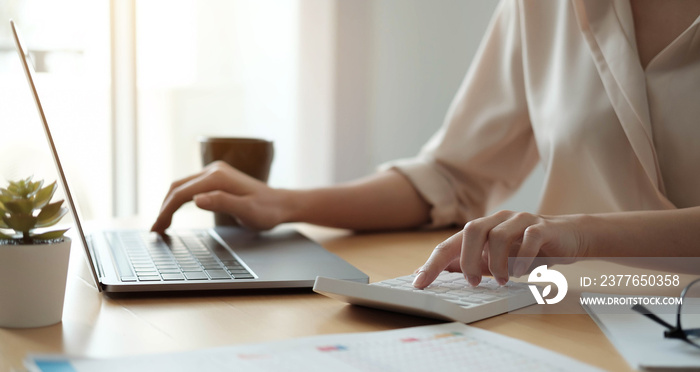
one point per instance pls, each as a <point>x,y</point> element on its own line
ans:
<point>215,259</point>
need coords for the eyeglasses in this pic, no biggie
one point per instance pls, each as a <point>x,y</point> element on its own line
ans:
<point>688,313</point>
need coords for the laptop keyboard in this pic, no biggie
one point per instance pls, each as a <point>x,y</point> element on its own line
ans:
<point>148,257</point>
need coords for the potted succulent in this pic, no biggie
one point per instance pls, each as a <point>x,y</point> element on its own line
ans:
<point>33,256</point>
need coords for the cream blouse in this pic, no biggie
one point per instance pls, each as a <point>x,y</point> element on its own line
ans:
<point>561,82</point>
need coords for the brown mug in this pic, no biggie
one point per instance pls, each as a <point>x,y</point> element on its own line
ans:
<point>251,156</point>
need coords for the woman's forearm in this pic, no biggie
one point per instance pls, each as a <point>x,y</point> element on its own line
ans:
<point>383,201</point>
<point>668,233</point>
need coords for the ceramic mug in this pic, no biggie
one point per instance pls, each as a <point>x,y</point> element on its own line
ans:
<point>252,156</point>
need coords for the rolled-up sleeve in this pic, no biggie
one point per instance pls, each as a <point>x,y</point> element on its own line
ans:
<point>485,148</point>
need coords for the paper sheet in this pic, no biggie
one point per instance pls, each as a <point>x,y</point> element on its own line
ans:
<point>640,340</point>
<point>443,347</point>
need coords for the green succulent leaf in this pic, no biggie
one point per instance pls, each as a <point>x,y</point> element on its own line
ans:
<point>13,188</point>
<point>20,206</point>
<point>6,197</point>
<point>33,187</point>
<point>25,205</point>
<point>43,196</point>
<point>56,234</point>
<point>19,188</point>
<point>24,188</point>
<point>51,214</point>
<point>20,222</point>
<point>5,236</point>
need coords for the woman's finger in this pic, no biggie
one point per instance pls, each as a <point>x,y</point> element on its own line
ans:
<point>503,240</point>
<point>441,257</point>
<point>476,234</point>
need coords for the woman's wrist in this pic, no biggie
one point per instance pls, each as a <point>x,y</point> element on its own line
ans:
<point>590,234</point>
<point>293,205</point>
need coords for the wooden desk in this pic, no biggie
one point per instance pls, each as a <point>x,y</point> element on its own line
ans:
<point>95,325</point>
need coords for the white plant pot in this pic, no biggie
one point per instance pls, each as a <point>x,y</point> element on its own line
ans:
<point>33,284</point>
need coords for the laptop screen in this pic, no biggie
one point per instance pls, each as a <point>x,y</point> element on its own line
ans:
<point>29,72</point>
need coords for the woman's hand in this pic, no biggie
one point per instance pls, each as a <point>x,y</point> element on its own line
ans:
<point>221,188</point>
<point>485,244</point>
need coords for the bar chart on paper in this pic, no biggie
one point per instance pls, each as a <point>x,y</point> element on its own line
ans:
<point>442,347</point>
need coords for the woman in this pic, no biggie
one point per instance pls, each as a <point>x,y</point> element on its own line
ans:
<point>606,94</point>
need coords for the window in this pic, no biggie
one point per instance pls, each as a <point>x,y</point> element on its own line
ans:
<point>70,51</point>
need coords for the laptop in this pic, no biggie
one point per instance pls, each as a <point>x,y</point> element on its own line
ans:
<point>220,258</point>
